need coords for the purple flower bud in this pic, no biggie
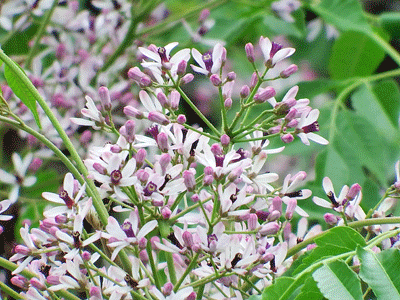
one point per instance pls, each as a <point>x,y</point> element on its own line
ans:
<point>117,148</point>
<point>269,228</point>
<point>53,279</point>
<point>277,204</point>
<point>291,115</point>
<point>293,123</point>
<point>208,171</point>
<point>291,206</point>
<point>264,94</point>
<point>167,289</point>
<point>158,117</point>
<point>130,131</point>
<point>145,81</point>
<point>166,212</point>
<point>249,48</point>
<point>142,243</point>
<point>61,219</point>
<point>20,249</point>
<point>192,296</point>
<point>99,168</point>
<point>163,100</point>
<point>225,140</point>
<point>204,14</point>
<point>289,71</point>
<point>135,74</point>
<point>105,99</point>
<point>287,138</point>
<point>174,100</point>
<point>164,161</point>
<point>252,222</point>
<point>186,79</point>
<point>35,164</point>
<point>133,112</point>
<point>208,180</point>
<point>189,180</point>
<point>274,215</point>
<point>187,239</point>
<point>162,142</point>
<point>36,283</point>
<point>195,198</point>
<point>85,137</point>
<point>330,219</point>
<point>254,80</point>
<point>353,191</point>
<point>143,256</point>
<point>86,255</point>
<point>287,231</point>
<point>215,80</point>
<point>228,103</point>
<point>231,76</point>
<point>140,156</point>
<point>216,149</point>
<point>244,91</point>
<point>95,292</point>
<point>19,281</point>
<point>181,119</point>
<point>181,70</point>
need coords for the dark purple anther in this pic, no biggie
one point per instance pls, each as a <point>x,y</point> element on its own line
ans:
<point>207,58</point>
<point>275,48</point>
<point>311,128</point>
<point>67,199</point>
<point>150,189</point>
<point>163,54</point>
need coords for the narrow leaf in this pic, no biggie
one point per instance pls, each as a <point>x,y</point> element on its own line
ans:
<point>21,85</point>
<point>381,272</point>
<point>337,281</point>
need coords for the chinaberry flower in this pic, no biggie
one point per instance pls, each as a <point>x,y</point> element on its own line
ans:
<point>19,179</point>
<point>96,120</point>
<point>306,127</point>
<point>209,62</point>
<point>336,202</point>
<point>274,52</point>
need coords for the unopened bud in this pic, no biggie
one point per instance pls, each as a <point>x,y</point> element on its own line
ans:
<point>269,228</point>
<point>252,222</point>
<point>140,156</point>
<point>187,239</point>
<point>204,14</point>
<point>353,191</point>
<point>244,91</point>
<point>166,212</point>
<point>105,99</point>
<point>264,94</point>
<point>291,206</point>
<point>189,180</point>
<point>231,76</point>
<point>215,80</point>
<point>181,70</point>
<point>225,140</point>
<point>330,219</point>
<point>287,138</point>
<point>157,117</point>
<point>133,112</point>
<point>167,289</point>
<point>249,48</point>
<point>35,164</point>
<point>228,103</point>
<point>162,142</point>
<point>186,79</point>
<point>181,119</point>
<point>174,100</point>
<point>163,100</point>
<point>289,71</point>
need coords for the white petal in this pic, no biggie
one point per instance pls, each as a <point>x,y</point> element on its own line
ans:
<point>198,57</point>
<point>266,46</point>
<point>317,138</point>
<point>150,54</point>
<point>282,54</point>
<point>321,202</point>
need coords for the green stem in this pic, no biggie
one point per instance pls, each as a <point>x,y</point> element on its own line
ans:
<point>197,111</point>
<point>192,264</point>
<point>38,36</point>
<point>164,228</point>
<point>371,211</point>
<point>384,45</point>
<point>223,112</point>
<point>9,291</point>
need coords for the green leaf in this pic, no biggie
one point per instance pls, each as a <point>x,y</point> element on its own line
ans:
<point>343,14</point>
<point>388,95</point>
<point>390,21</point>
<point>359,144</point>
<point>310,89</point>
<point>274,291</point>
<point>337,281</point>
<point>20,85</point>
<point>309,291</point>
<point>337,240</point>
<point>354,54</point>
<point>375,104</point>
<point>381,272</point>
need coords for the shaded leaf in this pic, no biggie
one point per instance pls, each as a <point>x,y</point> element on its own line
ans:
<point>381,272</point>
<point>337,281</point>
<point>354,54</point>
<point>274,291</point>
<point>309,291</point>
<point>390,21</point>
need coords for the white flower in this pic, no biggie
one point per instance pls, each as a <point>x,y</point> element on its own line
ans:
<point>18,179</point>
<point>307,126</point>
<point>4,205</point>
<point>209,62</point>
<point>274,52</point>
<point>335,202</point>
<point>91,112</point>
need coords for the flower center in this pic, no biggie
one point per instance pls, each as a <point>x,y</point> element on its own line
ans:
<point>311,128</point>
<point>67,199</point>
<point>331,197</point>
<point>163,54</point>
<point>127,228</point>
<point>275,48</point>
<point>207,58</point>
<point>150,189</point>
<point>116,177</point>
